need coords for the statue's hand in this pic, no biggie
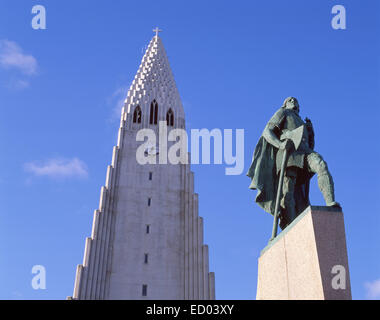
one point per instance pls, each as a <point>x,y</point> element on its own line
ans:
<point>307,120</point>
<point>286,145</point>
<point>285,134</point>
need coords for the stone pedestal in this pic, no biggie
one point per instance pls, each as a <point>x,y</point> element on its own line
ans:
<point>308,260</point>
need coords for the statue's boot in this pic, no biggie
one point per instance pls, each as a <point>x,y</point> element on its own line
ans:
<point>326,185</point>
<point>292,213</point>
<point>289,205</point>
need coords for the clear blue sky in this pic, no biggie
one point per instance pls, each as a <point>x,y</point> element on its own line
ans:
<point>234,63</point>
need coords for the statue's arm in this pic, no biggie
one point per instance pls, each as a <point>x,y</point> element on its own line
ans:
<point>272,130</point>
<point>310,129</point>
<point>270,135</point>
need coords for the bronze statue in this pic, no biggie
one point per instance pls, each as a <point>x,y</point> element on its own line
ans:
<point>283,163</point>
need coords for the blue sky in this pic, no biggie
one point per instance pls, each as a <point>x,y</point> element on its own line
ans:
<point>234,64</point>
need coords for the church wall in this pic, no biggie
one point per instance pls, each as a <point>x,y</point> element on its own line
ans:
<point>164,243</point>
<point>177,265</point>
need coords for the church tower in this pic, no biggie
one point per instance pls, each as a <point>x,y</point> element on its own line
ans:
<point>147,237</point>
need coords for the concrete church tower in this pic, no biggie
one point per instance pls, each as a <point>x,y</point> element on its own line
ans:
<point>147,237</point>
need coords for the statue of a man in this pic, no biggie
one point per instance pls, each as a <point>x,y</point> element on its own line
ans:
<point>300,165</point>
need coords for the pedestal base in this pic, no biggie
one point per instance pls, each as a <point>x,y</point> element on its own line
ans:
<point>308,260</point>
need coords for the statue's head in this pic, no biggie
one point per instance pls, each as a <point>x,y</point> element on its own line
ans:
<point>291,103</point>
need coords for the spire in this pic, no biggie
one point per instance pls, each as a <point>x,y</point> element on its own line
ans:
<point>154,80</point>
<point>157,31</point>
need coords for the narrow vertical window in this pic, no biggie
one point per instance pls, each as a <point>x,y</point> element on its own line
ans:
<point>153,112</point>
<point>144,290</point>
<point>147,228</point>
<point>150,175</point>
<point>137,115</point>
<point>145,258</point>
<point>170,118</point>
<point>149,201</point>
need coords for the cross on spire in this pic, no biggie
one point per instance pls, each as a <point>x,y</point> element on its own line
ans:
<point>157,31</point>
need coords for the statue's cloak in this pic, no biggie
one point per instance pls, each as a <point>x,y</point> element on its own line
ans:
<point>265,177</point>
<point>263,174</point>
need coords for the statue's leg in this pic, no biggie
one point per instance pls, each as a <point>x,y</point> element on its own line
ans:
<point>288,202</point>
<point>316,164</point>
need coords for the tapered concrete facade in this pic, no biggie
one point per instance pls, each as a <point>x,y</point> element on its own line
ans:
<point>147,236</point>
